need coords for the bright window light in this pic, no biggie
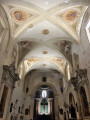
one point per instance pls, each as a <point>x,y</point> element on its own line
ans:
<point>88,30</point>
<point>44,93</point>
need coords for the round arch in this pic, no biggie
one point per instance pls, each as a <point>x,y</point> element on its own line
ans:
<point>35,87</point>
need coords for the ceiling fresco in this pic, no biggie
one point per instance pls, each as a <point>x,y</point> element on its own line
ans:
<point>19,16</point>
<point>67,20</point>
<point>72,17</point>
<point>45,63</point>
<point>43,32</point>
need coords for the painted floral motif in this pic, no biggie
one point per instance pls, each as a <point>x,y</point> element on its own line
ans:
<point>45,32</point>
<point>44,52</point>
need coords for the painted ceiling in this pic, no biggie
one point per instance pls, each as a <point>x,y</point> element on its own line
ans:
<point>44,21</point>
<point>45,4</point>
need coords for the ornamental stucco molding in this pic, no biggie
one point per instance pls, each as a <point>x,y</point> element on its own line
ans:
<point>9,76</point>
<point>80,80</point>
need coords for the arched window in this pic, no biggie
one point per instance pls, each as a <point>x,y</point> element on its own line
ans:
<point>44,93</point>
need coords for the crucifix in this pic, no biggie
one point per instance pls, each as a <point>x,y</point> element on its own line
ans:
<point>44,106</point>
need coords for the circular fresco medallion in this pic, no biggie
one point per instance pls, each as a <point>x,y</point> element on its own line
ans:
<point>19,16</point>
<point>44,52</point>
<point>71,15</point>
<point>45,31</point>
<point>44,64</point>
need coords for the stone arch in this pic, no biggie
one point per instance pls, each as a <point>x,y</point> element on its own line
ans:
<point>83,25</point>
<point>35,87</point>
<point>5,32</point>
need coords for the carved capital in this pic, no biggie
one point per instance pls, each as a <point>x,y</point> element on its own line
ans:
<point>80,79</point>
<point>9,74</point>
<point>74,81</point>
<point>82,74</point>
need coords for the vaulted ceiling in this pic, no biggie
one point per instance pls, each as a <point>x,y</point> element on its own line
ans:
<point>42,32</point>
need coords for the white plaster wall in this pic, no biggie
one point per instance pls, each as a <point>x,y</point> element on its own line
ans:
<point>27,104</point>
<point>83,48</point>
<point>17,94</point>
<point>36,81</point>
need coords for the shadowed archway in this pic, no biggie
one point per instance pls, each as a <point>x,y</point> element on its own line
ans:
<point>44,103</point>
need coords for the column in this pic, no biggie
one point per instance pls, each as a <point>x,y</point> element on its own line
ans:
<point>56,106</point>
<point>3,50</point>
<point>48,106</point>
<point>80,105</point>
<point>51,107</point>
<point>9,78</point>
<point>7,106</point>
<point>79,115</point>
<point>31,107</point>
<point>39,106</point>
<point>88,95</point>
<point>1,91</point>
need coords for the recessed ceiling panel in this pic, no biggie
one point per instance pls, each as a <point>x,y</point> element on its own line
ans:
<point>39,53</point>
<point>45,4</point>
<point>43,31</point>
<point>44,65</point>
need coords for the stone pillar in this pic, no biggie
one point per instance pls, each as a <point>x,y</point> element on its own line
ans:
<point>9,78</point>
<point>8,115</point>
<point>1,71</point>
<point>37,102</point>
<point>3,42</point>
<point>1,91</point>
<point>79,114</point>
<point>32,107</point>
<point>80,105</point>
<point>39,106</point>
<point>88,95</point>
<point>48,106</point>
<point>7,107</point>
<point>56,106</point>
<point>51,106</point>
